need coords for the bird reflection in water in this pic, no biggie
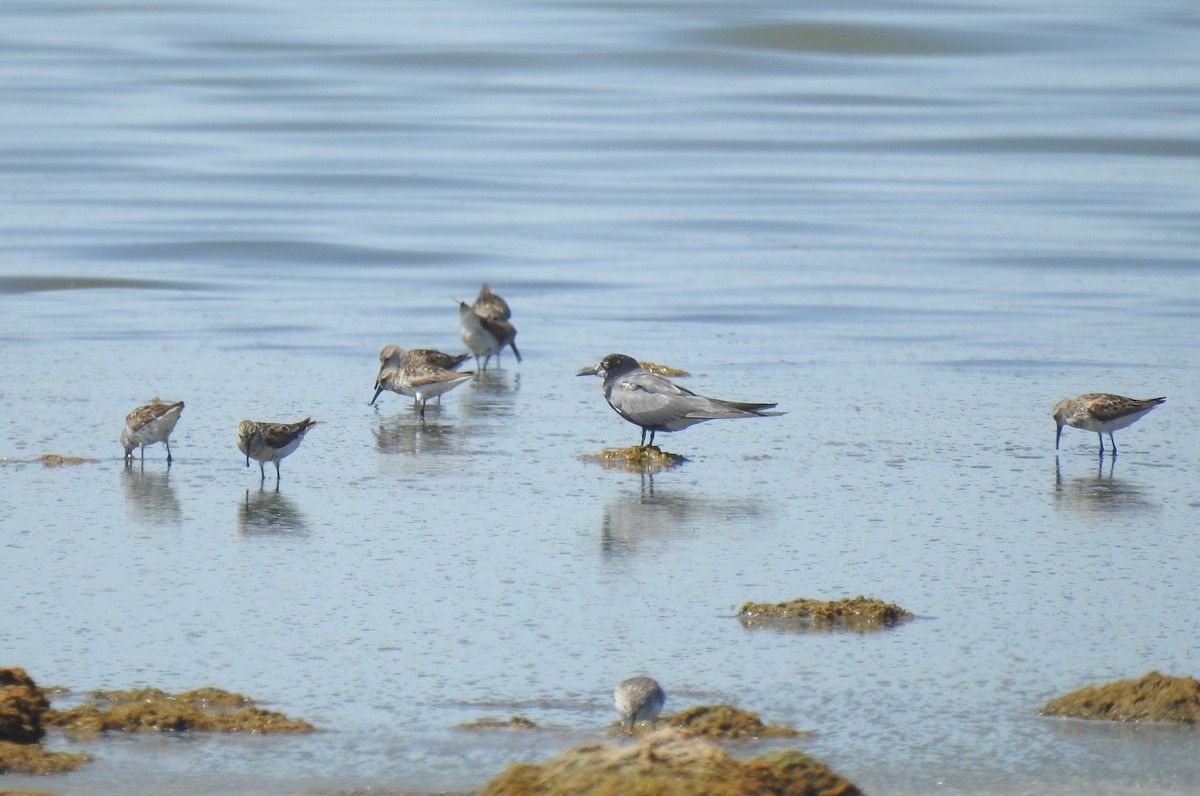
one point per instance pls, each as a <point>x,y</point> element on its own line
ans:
<point>490,394</point>
<point>655,514</point>
<point>149,495</point>
<point>1100,490</point>
<point>408,434</point>
<point>269,511</point>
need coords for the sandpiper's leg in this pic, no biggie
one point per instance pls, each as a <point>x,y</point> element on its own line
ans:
<point>167,442</point>
<point>277,471</point>
<point>1101,437</point>
<point>262,473</point>
<point>1114,443</point>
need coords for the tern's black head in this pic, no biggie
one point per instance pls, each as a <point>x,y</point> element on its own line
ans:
<point>613,365</point>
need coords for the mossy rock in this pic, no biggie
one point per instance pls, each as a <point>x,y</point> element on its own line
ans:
<point>23,706</point>
<point>663,370</point>
<point>1153,697</point>
<point>669,762</point>
<point>151,709</point>
<point>23,758</point>
<point>726,722</point>
<point>638,459</point>
<point>513,723</point>
<point>853,613</point>
<point>57,460</point>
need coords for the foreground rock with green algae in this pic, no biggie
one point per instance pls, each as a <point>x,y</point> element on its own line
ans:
<point>23,707</point>
<point>638,459</point>
<point>150,709</point>
<point>851,613</point>
<point>1153,697</point>
<point>670,762</point>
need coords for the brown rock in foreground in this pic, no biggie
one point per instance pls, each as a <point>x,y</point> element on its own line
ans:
<point>23,707</point>
<point>1153,697</point>
<point>669,762</point>
<point>638,459</point>
<point>150,709</point>
<point>857,613</point>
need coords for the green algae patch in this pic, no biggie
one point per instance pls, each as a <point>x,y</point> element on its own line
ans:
<point>851,613</point>
<point>23,710</point>
<point>663,370</point>
<point>58,460</point>
<point>513,723</point>
<point>154,710</point>
<point>1153,697</point>
<point>669,762</point>
<point>638,459</point>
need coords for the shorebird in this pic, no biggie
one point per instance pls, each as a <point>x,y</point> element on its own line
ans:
<point>485,336</point>
<point>639,699</point>
<point>490,305</point>
<point>392,354</point>
<point>419,381</point>
<point>149,424</point>
<point>270,442</point>
<point>658,404</point>
<point>1101,412</point>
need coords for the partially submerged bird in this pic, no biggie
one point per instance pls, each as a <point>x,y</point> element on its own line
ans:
<point>419,381</point>
<point>485,336</point>
<point>658,404</point>
<point>149,424</point>
<point>270,442</point>
<point>1101,412</point>
<point>392,354</point>
<point>639,699</point>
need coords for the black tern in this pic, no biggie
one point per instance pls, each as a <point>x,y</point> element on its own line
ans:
<point>270,442</point>
<point>639,699</point>
<point>1101,412</point>
<point>658,404</point>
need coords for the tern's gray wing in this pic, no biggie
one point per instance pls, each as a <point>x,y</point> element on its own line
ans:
<point>651,401</point>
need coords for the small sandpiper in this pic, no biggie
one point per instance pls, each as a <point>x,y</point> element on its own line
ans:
<point>149,424</point>
<point>639,699</point>
<point>1101,412</point>
<point>270,442</point>
<point>419,381</point>
<point>392,354</point>
<point>485,336</point>
<point>655,403</point>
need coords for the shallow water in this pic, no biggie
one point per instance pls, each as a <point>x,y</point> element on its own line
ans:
<point>916,227</point>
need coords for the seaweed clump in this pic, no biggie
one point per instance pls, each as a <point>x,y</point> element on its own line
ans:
<point>1153,697</point>
<point>854,613</point>
<point>726,722</point>
<point>514,723</point>
<point>663,370</point>
<point>154,710</point>
<point>23,707</point>
<point>670,762</point>
<point>57,460</point>
<point>639,459</point>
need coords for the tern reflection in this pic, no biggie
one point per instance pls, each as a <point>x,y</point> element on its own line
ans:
<point>653,513</point>
<point>1099,490</point>
<point>149,495</point>
<point>407,433</point>
<point>268,511</point>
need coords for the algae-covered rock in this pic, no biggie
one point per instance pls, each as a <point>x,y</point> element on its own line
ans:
<point>1153,697</point>
<point>151,709</point>
<point>513,723</point>
<point>663,370</point>
<point>638,459</point>
<point>23,711</point>
<point>669,762</point>
<point>58,460</point>
<point>22,707</point>
<point>725,722</point>
<point>855,613</point>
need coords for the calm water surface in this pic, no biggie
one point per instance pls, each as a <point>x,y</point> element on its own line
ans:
<point>914,225</point>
